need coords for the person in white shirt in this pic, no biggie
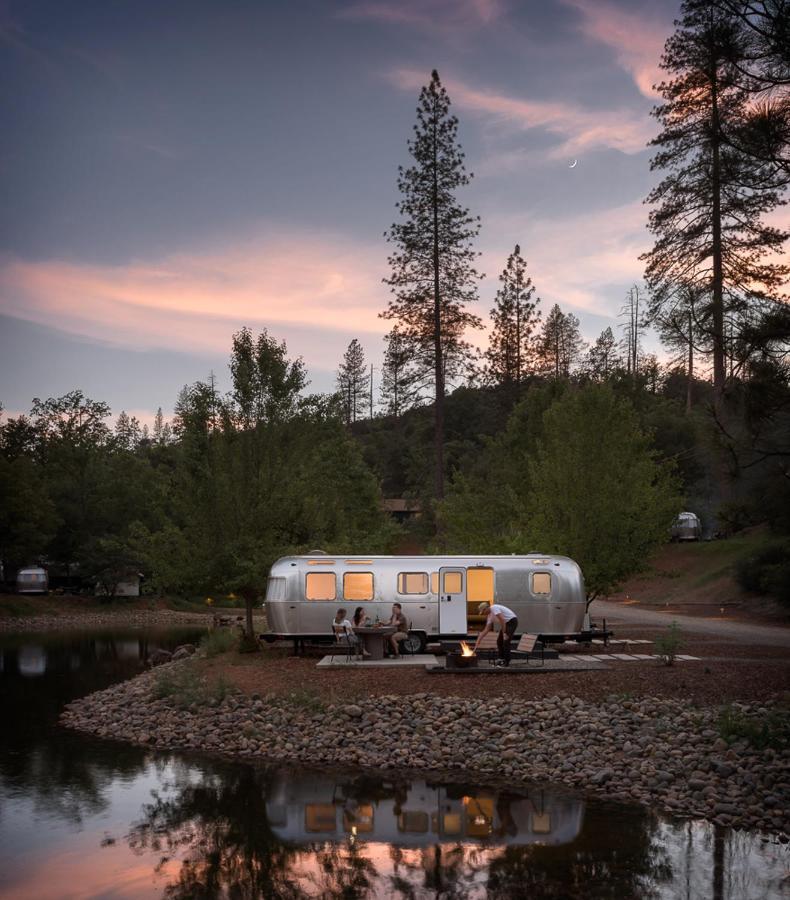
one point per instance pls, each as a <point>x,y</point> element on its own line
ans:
<point>344,632</point>
<point>508,623</point>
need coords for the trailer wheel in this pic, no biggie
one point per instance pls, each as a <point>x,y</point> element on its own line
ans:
<point>269,638</point>
<point>416,642</point>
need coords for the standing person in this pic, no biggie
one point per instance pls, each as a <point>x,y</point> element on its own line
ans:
<point>401,628</point>
<point>508,623</point>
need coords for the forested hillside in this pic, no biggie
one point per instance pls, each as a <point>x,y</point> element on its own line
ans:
<point>533,438</point>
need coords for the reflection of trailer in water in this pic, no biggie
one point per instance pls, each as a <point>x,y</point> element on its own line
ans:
<point>419,815</point>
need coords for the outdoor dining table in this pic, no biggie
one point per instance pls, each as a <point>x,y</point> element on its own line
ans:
<point>373,639</point>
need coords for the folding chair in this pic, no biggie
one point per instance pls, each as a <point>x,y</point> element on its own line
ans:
<point>342,644</point>
<point>530,646</point>
<point>488,649</point>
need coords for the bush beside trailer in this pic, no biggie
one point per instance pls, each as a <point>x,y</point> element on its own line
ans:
<point>440,595</point>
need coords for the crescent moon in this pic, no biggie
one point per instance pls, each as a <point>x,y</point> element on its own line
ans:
<point>574,164</point>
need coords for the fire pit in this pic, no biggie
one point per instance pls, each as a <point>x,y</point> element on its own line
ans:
<point>465,658</point>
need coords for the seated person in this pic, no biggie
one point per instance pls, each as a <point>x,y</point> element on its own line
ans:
<point>344,633</point>
<point>360,619</point>
<point>401,629</point>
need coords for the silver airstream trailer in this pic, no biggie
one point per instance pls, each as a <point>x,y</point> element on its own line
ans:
<point>687,527</point>
<point>440,595</point>
<point>32,580</point>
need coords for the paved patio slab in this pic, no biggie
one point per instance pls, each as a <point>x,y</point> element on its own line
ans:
<point>340,661</point>
<point>534,668</point>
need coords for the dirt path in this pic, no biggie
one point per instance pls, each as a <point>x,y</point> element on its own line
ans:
<point>765,635</point>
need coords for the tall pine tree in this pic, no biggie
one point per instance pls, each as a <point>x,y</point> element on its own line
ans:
<point>433,277</point>
<point>559,344</point>
<point>353,381</point>
<point>515,317</point>
<point>708,211</point>
<point>400,379</point>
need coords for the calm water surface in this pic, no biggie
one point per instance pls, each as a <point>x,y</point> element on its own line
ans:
<point>82,818</point>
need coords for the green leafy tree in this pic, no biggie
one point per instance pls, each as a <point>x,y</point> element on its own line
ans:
<point>278,474</point>
<point>486,509</point>
<point>28,518</point>
<point>433,275</point>
<point>597,492</point>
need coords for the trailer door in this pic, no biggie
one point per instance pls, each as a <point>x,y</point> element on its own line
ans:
<point>452,600</point>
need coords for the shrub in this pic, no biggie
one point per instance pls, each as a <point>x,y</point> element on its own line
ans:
<point>734,517</point>
<point>767,571</point>
<point>769,730</point>
<point>668,645</point>
<point>219,641</point>
<point>184,688</point>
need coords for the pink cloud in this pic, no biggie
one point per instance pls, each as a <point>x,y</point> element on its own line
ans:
<point>579,128</point>
<point>302,284</point>
<point>574,261</point>
<point>638,42</point>
<point>430,15</point>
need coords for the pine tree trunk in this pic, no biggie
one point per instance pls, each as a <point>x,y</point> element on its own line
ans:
<point>719,370</point>
<point>438,410</point>
<point>690,382</point>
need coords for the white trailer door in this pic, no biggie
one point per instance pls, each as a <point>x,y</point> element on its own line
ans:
<point>452,600</point>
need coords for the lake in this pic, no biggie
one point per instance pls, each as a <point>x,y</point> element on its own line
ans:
<point>84,818</point>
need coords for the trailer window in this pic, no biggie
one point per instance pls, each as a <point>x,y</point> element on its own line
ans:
<point>320,586</point>
<point>434,582</point>
<point>275,589</point>
<point>452,583</point>
<point>358,586</point>
<point>541,583</point>
<point>320,817</point>
<point>412,582</point>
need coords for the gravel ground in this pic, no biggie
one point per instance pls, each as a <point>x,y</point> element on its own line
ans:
<point>709,681</point>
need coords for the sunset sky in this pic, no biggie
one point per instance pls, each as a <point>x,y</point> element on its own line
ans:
<point>173,171</point>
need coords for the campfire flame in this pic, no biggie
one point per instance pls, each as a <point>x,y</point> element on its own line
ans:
<point>466,650</point>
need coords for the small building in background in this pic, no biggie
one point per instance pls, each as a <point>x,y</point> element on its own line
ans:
<point>127,586</point>
<point>401,509</point>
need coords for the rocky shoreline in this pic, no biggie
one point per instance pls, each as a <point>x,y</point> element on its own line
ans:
<point>662,753</point>
<point>112,618</point>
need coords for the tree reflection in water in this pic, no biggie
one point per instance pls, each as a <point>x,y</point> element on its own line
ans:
<point>66,775</point>
<point>217,828</point>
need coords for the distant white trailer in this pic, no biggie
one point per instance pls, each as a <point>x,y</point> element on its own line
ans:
<point>32,580</point>
<point>687,527</point>
<point>129,587</point>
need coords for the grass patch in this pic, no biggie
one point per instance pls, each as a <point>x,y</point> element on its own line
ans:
<point>183,687</point>
<point>11,605</point>
<point>771,730</point>
<point>219,641</point>
<point>306,699</point>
